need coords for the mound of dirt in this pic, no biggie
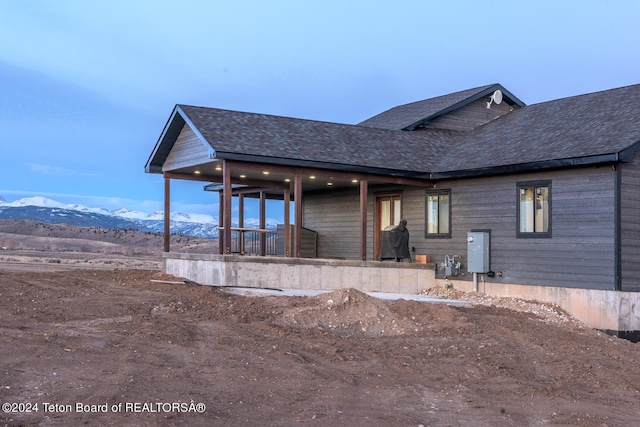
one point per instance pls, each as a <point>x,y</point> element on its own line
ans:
<point>349,312</point>
<point>547,312</point>
<point>124,337</point>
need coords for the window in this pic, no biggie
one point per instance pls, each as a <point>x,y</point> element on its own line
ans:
<point>438,213</point>
<point>534,209</point>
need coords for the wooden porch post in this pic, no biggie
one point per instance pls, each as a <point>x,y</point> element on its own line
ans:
<point>241,221</point>
<point>287,222</point>
<point>220,224</point>
<point>167,214</point>
<point>364,190</point>
<point>297,199</point>
<point>241,210</point>
<point>263,222</point>
<point>226,221</point>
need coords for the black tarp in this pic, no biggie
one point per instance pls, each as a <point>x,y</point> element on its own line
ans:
<point>394,242</point>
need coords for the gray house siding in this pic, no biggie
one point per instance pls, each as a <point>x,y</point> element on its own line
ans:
<point>335,216</point>
<point>470,116</point>
<point>580,253</point>
<point>630,225</point>
<point>188,150</point>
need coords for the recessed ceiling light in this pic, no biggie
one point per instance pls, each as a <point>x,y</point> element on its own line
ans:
<point>265,172</point>
<point>243,176</point>
<point>354,181</point>
<point>329,183</point>
<point>197,172</point>
<point>218,168</point>
<point>287,180</point>
<point>312,177</point>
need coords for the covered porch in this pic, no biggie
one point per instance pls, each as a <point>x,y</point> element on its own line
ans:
<point>239,180</point>
<point>241,155</point>
<point>284,258</point>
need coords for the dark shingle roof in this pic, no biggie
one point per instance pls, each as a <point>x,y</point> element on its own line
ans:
<point>593,128</point>
<point>408,116</point>
<point>261,137</point>
<point>594,124</point>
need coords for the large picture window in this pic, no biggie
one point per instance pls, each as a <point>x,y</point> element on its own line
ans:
<point>438,209</point>
<point>534,209</point>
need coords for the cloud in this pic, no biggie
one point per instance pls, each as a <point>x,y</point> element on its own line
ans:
<point>55,170</point>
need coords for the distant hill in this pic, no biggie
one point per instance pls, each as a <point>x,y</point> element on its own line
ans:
<point>47,211</point>
<point>21,234</point>
<point>70,217</point>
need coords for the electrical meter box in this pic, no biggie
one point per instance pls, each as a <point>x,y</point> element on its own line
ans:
<point>477,252</point>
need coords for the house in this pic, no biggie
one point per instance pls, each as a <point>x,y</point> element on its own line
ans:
<point>553,186</point>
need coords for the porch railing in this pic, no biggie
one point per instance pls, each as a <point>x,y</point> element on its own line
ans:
<point>247,241</point>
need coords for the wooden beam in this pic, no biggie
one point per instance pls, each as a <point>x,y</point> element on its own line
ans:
<point>241,210</point>
<point>287,221</point>
<point>220,223</point>
<point>297,229</point>
<point>254,190</point>
<point>376,178</point>
<point>220,179</point>
<point>226,194</point>
<point>193,177</point>
<point>167,214</point>
<point>263,223</point>
<point>379,178</point>
<point>241,220</point>
<point>364,193</point>
<point>414,182</point>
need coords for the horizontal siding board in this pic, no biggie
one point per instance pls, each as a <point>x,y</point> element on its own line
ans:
<point>470,116</point>
<point>630,226</point>
<point>188,150</point>
<point>335,217</point>
<point>580,253</point>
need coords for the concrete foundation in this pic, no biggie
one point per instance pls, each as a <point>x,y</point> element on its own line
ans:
<point>300,273</point>
<point>614,312</point>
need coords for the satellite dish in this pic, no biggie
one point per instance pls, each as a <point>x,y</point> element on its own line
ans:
<point>495,97</point>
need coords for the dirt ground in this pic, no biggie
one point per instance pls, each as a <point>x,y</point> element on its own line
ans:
<point>111,347</point>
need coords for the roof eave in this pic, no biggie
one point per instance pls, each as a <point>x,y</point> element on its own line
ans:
<point>280,161</point>
<point>611,158</point>
<point>154,163</point>
<point>168,137</point>
<point>628,153</point>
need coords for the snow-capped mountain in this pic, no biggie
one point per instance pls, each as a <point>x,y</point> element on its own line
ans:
<point>46,210</point>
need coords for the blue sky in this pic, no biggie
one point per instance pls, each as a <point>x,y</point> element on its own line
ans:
<point>87,86</point>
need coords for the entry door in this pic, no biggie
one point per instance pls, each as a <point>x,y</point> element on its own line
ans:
<point>388,212</point>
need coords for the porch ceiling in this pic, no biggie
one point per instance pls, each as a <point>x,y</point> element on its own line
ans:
<point>277,178</point>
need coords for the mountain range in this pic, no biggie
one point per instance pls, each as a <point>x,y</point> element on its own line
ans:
<point>42,209</point>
